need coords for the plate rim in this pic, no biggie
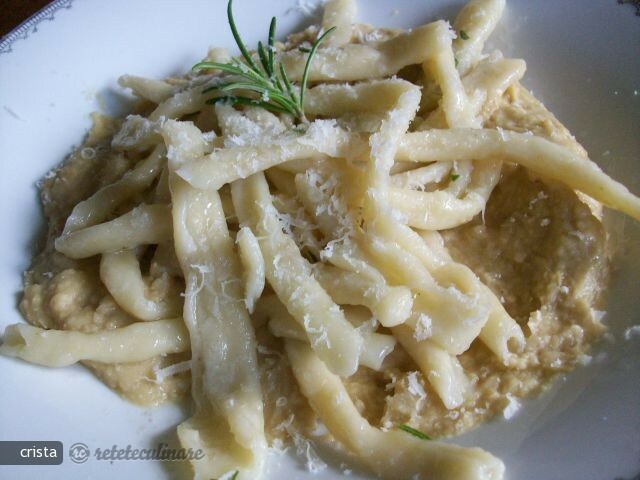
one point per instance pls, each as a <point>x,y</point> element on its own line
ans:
<point>30,26</point>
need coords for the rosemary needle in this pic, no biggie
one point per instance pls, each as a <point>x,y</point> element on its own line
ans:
<point>266,78</point>
<point>414,432</point>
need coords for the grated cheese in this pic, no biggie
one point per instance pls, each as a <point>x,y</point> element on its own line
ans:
<point>512,407</point>
<point>305,7</point>
<point>136,130</point>
<point>584,359</point>
<point>304,449</point>
<point>415,387</point>
<point>424,328</point>
<point>632,332</point>
<point>161,373</point>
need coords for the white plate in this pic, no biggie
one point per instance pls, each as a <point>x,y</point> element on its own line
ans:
<point>583,63</point>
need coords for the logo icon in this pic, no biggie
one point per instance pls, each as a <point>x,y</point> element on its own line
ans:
<point>79,453</point>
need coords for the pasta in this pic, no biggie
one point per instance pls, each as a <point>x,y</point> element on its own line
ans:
<point>146,224</point>
<point>120,273</point>
<point>253,266</point>
<point>537,154</point>
<point>226,386</point>
<point>329,332</point>
<point>390,305</point>
<point>361,228</point>
<point>409,458</point>
<point>135,342</point>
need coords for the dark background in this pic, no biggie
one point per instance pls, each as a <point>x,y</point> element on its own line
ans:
<point>14,12</point>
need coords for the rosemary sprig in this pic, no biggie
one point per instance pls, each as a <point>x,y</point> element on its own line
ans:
<point>413,431</point>
<point>267,79</point>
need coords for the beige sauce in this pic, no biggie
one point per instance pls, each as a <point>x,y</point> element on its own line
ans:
<point>67,294</point>
<point>538,247</point>
<point>544,254</point>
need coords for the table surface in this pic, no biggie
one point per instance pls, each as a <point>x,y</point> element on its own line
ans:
<point>14,12</point>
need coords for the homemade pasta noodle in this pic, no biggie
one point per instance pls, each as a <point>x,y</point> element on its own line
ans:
<point>397,252</point>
